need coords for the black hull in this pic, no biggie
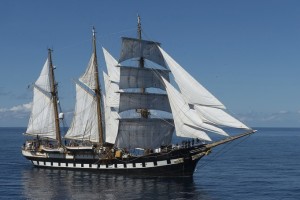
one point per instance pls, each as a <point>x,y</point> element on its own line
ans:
<point>176,163</point>
<point>179,170</point>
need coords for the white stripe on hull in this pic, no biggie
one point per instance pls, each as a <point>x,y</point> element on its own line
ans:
<point>32,156</point>
<point>112,166</point>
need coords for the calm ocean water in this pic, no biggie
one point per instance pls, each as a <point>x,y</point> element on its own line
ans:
<point>263,166</point>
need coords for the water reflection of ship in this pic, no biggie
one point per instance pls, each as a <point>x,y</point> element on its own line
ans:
<point>65,184</point>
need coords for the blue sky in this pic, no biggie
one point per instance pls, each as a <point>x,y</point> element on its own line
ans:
<point>245,52</point>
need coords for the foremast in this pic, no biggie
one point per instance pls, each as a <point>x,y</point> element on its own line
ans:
<point>97,90</point>
<point>54,97</point>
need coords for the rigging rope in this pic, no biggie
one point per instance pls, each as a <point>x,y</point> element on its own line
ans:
<point>229,146</point>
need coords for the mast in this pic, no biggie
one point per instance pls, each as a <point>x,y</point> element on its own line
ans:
<point>144,112</point>
<point>97,91</point>
<point>54,97</point>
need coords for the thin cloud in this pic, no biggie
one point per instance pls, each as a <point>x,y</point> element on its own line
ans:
<point>279,118</point>
<point>19,111</point>
<point>22,108</point>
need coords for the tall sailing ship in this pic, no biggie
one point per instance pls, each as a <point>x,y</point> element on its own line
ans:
<point>129,128</point>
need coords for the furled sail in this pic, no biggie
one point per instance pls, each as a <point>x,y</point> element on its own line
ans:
<point>133,77</point>
<point>144,133</point>
<point>186,120</point>
<point>191,89</point>
<point>84,125</point>
<point>136,48</point>
<point>42,119</point>
<point>132,100</point>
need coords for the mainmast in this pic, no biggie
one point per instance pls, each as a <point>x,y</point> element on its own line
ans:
<point>54,97</point>
<point>97,90</point>
<point>144,112</point>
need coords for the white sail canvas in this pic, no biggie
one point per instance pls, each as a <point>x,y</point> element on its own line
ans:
<point>84,125</point>
<point>88,78</point>
<point>136,48</point>
<point>42,119</point>
<point>191,89</point>
<point>133,77</point>
<point>144,133</point>
<point>112,96</point>
<point>183,115</point>
<point>111,115</point>
<point>153,101</point>
<point>111,65</point>
<point>219,117</point>
<point>44,80</point>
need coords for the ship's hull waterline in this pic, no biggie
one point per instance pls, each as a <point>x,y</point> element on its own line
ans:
<point>180,162</point>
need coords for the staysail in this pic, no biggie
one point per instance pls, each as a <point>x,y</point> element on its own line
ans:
<point>219,117</point>
<point>112,66</point>
<point>191,89</point>
<point>111,100</point>
<point>187,122</point>
<point>194,106</point>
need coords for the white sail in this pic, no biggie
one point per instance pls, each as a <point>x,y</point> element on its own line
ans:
<point>112,97</point>
<point>136,48</point>
<point>191,89</point>
<point>88,78</point>
<point>144,133</point>
<point>42,119</point>
<point>112,92</point>
<point>44,80</point>
<point>186,118</point>
<point>219,117</point>
<point>133,77</point>
<point>84,125</point>
<point>111,64</point>
<point>111,115</point>
<point>111,124</point>
<point>132,100</point>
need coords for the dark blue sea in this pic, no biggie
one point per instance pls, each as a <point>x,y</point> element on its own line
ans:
<point>265,165</point>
